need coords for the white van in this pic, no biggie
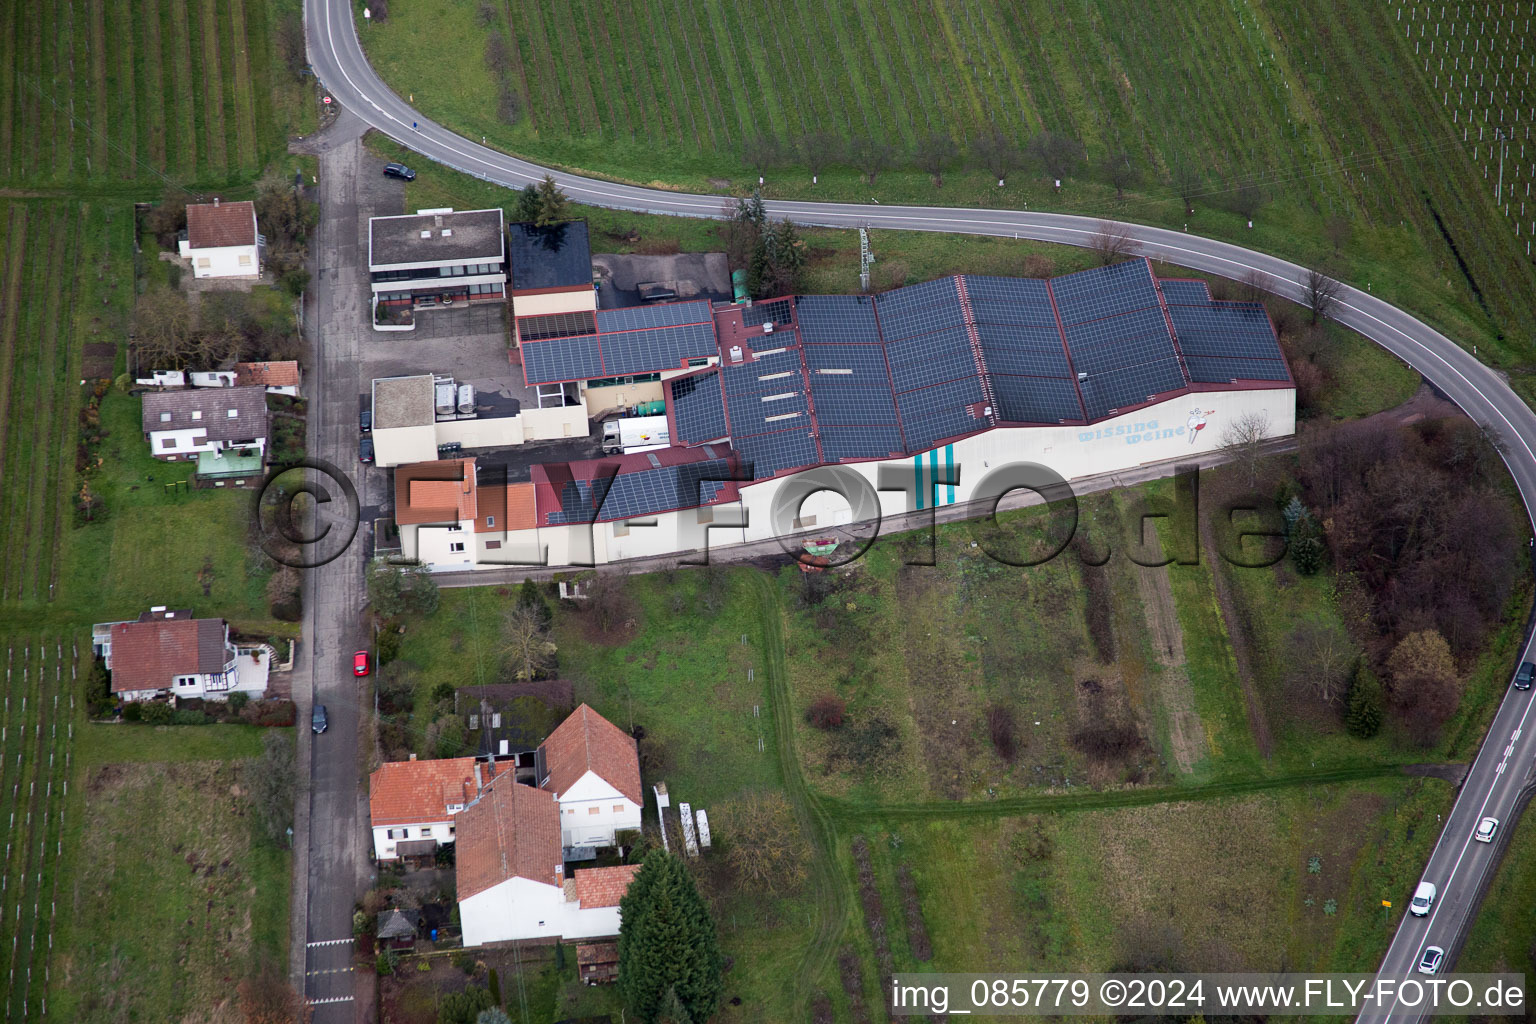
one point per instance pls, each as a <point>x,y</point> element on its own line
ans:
<point>1423,899</point>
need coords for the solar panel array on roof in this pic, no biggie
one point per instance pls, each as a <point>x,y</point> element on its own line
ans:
<point>778,311</point>
<point>763,413</point>
<point>777,372</point>
<point>637,339</point>
<point>836,319</point>
<point>698,408</point>
<point>1185,293</point>
<point>1235,329</point>
<point>1010,300</point>
<point>919,309</point>
<point>556,325</point>
<point>768,454</point>
<point>1103,291</point>
<point>641,493</point>
<point>1219,370</point>
<point>864,441</point>
<point>662,314</point>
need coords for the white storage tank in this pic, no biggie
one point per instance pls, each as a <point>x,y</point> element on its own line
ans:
<point>445,399</point>
<point>466,398</point>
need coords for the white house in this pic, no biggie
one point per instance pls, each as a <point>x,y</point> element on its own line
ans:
<point>222,240</point>
<point>412,804</point>
<point>183,424</point>
<point>511,877</point>
<point>593,769</point>
<point>170,653</point>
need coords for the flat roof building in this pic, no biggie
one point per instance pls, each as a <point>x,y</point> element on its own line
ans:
<point>436,258</point>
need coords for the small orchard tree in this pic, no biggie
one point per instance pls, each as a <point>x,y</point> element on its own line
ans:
<point>871,155</point>
<point>667,941</point>
<point>819,150</point>
<point>1243,440</point>
<point>1057,153</point>
<point>763,151</point>
<point>1320,293</point>
<point>1366,704</point>
<point>996,153</point>
<point>1120,171</point>
<point>763,841</point>
<point>527,642</point>
<point>1112,242</point>
<point>935,151</point>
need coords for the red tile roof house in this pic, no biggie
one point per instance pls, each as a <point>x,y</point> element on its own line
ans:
<point>593,768</point>
<point>511,877</point>
<point>170,653</point>
<point>412,804</point>
<point>181,424</point>
<point>279,378</point>
<point>222,240</point>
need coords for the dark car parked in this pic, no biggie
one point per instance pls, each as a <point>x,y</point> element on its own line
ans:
<point>400,171</point>
<point>365,420</point>
<point>317,721</point>
<point>365,448</point>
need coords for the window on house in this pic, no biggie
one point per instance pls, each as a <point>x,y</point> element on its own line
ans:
<point>570,810</point>
<point>405,833</point>
<point>621,529</point>
<point>426,832</point>
<point>452,829</point>
<point>165,417</point>
<point>234,414</point>
<point>245,261</point>
<point>594,810</point>
<point>493,545</point>
<point>618,808</point>
<point>389,833</point>
<point>197,414</point>
<point>168,442</point>
<point>490,520</point>
<point>203,263</point>
<point>455,528</point>
<point>456,548</point>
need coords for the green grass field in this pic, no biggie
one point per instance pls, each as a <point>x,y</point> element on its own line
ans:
<point>1285,94</point>
<point>111,96</point>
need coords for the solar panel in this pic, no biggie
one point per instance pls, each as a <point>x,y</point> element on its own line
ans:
<point>924,401</point>
<point>1010,300</point>
<point>562,359</point>
<point>867,363</point>
<point>925,432</point>
<point>759,313</point>
<point>1129,385</point>
<point>660,348</point>
<point>1217,369</point>
<point>641,493</point>
<point>662,314</point>
<point>1099,346</point>
<point>850,404</point>
<point>1103,291</point>
<point>761,414</point>
<point>931,308</point>
<point>1031,351</point>
<point>1235,330</point>
<point>1035,399</point>
<point>860,442</point>
<point>749,378</point>
<point>698,408</point>
<point>836,318</point>
<point>556,325</point>
<point>1185,293</point>
<point>773,453</point>
<point>923,360</point>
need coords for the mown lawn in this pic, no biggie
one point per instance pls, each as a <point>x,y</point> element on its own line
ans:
<point>1284,95</point>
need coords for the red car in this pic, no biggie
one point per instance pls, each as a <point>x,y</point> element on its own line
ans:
<point>360,663</point>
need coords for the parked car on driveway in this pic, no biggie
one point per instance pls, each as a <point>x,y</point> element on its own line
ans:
<point>400,171</point>
<point>360,663</point>
<point>365,448</point>
<point>365,420</point>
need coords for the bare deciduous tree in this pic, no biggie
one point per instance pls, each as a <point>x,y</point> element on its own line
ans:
<point>1255,285</point>
<point>1243,440</point>
<point>1120,171</point>
<point>1321,294</point>
<point>763,841</point>
<point>871,155</point>
<point>1321,659</point>
<point>1112,242</point>
<point>1187,182</point>
<point>163,330</point>
<point>995,152</point>
<point>1246,200</point>
<point>762,151</point>
<point>818,150</point>
<point>935,151</point>
<point>1059,154</point>
<point>527,642</point>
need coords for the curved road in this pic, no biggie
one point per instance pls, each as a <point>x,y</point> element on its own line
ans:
<point>1457,866</point>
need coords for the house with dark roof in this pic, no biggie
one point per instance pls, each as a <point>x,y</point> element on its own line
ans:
<point>169,653</point>
<point>593,768</point>
<point>511,875</point>
<point>434,259</point>
<point>213,422</point>
<point>412,804</point>
<point>221,240</point>
<point>396,928</point>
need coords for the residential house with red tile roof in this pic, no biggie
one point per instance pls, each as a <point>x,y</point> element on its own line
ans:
<point>222,240</point>
<point>511,873</point>
<point>413,804</point>
<point>449,520</point>
<point>593,768</point>
<point>280,377</point>
<point>170,653</point>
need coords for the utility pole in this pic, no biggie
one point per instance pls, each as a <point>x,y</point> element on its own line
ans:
<point>865,259</point>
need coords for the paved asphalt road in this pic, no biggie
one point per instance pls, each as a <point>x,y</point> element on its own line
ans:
<point>1457,868</point>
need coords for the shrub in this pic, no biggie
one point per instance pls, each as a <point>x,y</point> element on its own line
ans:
<point>463,961</point>
<point>1366,703</point>
<point>133,711</point>
<point>389,646</point>
<point>157,713</point>
<point>237,701</point>
<point>442,691</point>
<point>186,716</point>
<point>1004,732</point>
<point>387,963</point>
<point>827,711</point>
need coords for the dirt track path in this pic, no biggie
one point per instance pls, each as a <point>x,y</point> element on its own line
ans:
<point>1186,733</point>
<point>1241,650</point>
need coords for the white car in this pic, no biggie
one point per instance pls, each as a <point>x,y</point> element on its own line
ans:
<point>1430,963</point>
<point>1486,830</point>
<point>1423,899</point>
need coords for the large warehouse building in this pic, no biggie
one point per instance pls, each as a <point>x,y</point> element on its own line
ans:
<point>944,382</point>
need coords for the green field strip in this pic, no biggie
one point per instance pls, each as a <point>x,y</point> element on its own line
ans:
<point>152,95</point>
<point>826,114</point>
<point>71,719</point>
<point>762,95</point>
<point>722,83</point>
<point>703,75</point>
<point>639,96</point>
<point>832,72</point>
<point>268,79</point>
<point>548,97</point>
<point>855,53</point>
<point>23,737</point>
<point>210,70</point>
<point>10,87</point>
<point>626,84</point>
<point>12,260</point>
<point>90,44</point>
<point>29,143</point>
<point>731,69</point>
<point>177,47</point>
<point>57,128</point>
<point>114,119</point>
<point>578,83</point>
<point>46,396</point>
<point>668,68</point>
<point>129,118</point>
<point>66,400</point>
<point>953,57</point>
<point>794,103</point>
<point>523,42</point>
<point>21,431</point>
<point>239,88</point>
<point>983,63</point>
<point>58,733</point>
<point>519,72</point>
<point>617,121</point>
<point>935,52</point>
<point>908,83</point>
